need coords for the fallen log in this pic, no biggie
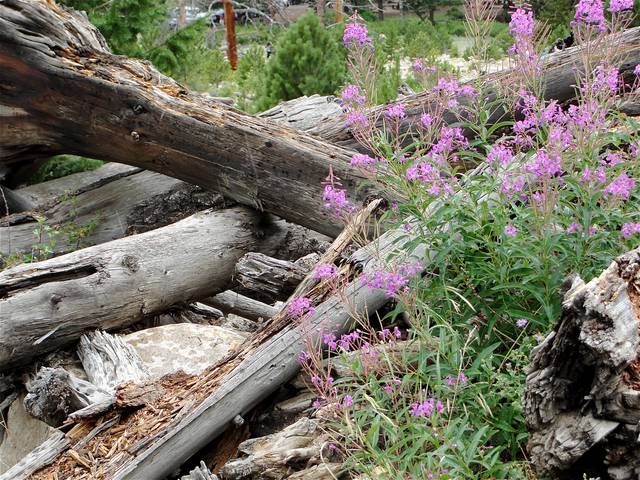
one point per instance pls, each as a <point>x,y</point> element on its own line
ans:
<point>47,304</point>
<point>268,279</point>
<point>192,411</point>
<point>559,69</point>
<point>102,210</point>
<point>582,395</point>
<point>232,302</point>
<point>123,110</point>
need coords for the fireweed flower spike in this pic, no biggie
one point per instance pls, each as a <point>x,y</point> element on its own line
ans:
<point>590,12</point>
<point>510,231</point>
<point>299,307</point>
<point>356,34</point>
<point>616,6</point>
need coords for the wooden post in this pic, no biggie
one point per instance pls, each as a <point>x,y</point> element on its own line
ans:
<point>229,21</point>
<point>339,16</point>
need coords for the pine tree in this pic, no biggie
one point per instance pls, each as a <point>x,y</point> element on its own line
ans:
<point>307,60</point>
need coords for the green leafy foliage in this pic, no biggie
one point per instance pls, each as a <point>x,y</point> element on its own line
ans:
<point>307,60</point>
<point>63,165</point>
<point>427,8</point>
<point>250,76</point>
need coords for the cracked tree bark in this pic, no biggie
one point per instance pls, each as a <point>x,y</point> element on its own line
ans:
<point>582,396</point>
<point>63,92</point>
<point>47,304</point>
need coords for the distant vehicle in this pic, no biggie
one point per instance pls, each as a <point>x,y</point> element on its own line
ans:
<point>242,15</point>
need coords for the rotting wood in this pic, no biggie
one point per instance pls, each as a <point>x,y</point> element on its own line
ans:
<point>124,110</point>
<point>583,382</point>
<point>266,278</point>
<point>232,302</point>
<point>185,418</point>
<point>44,305</point>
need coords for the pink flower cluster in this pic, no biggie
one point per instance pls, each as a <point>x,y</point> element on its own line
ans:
<point>336,199</point>
<point>606,80</point>
<point>325,271</point>
<point>427,408</point>
<point>393,282</point>
<point>301,306</point>
<point>356,35</point>
<point>430,176</point>
<point>347,342</point>
<point>629,229</point>
<point>544,165</point>
<point>621,186</point>
<point>351,96</point>
<point>461,379</point>
<point>521,25</point>
<point>500,154</point>
<point>395,112</point>
<point>616,6</point>
<point>362,160</point>
<point>450,90</point>
<point>590,12</point>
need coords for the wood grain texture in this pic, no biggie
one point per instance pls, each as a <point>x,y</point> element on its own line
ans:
<point>47,304</point>
<point>124,110</point>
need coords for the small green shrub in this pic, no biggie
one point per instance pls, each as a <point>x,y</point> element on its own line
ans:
<point>63,165</point>
<point>250,76</point>
<point>306,60</point>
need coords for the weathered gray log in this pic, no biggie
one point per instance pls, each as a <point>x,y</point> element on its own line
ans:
<point>582,383</point>
<point>123,110</point>
<point>54,394</point>
<point>13,202</point>
<point>40,457</point>
<point>201,472</point>
<point>305,113</point>
<point>47,304</point>
<point>118,205</point>
<point>232,302</point>
<point>559,70</point>
<point>109,361</point>
<point>279,453</point>
<point>266,278</point>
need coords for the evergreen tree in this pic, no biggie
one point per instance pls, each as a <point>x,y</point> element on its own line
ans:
<point>427,8</point>
<point>307,60</point>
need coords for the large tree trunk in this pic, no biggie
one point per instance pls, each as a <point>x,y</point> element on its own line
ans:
<point>582,397</point>
<point>68,94</point>
<point>47,304</point>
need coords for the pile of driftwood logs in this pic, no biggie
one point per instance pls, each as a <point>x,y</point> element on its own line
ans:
<point>204,226</point>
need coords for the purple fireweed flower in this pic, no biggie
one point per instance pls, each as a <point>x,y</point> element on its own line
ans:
<point>512,184</point>
<point>336,199</point>
<point>418,66</point>
<point>601,175</point>
<point>620,5</point>
<point>522,323</point>
<point>461,379</point>
<point>395,112</point>
<point>330,341</point>
<point>538,198</point>
<point>621,186</point>
<point>510,231</point>
<point>388,389</point>
<point>590,12</point>
<point>347,401</point>
<point>500,154</point>
<point>362,160</point>
<point>612,159</point>
<point>606,80</point>
<point>304,357</point>
<point>574,227</point>
<point>430,177</point>
<point>426,120</point>
<point>392,282</point>
<point>325,271</point>
<point>544,165</point>
<point>357,120</point>
<point>521,24</point>
<point>299,307</point>
<point>396,332</point>
<point>629,229</point>
<point>636,70</point>
<point>356,34</point>
<point>351,96</point>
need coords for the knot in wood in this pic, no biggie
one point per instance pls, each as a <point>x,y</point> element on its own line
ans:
<point>138,109</point>
<point>135,136</point>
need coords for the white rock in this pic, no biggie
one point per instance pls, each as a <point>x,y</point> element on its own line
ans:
<point>183,346</point>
